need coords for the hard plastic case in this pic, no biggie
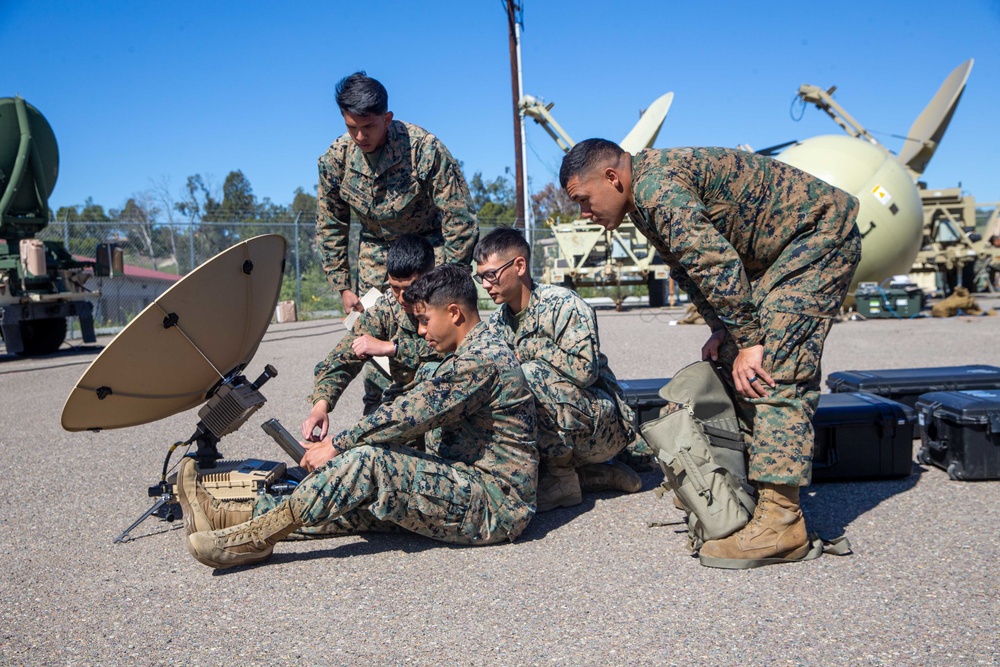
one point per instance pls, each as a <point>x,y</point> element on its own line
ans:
<point>905,385</point>
<point>960,432</point>
<point>862,436</point>
<point>858,435</point>
<point>643,396</point>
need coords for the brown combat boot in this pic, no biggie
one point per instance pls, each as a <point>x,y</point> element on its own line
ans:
<point>558,485</point>
<point>613,475</point>
<point>201,510</point>
<point>250,542</point>
<point>775,534</point>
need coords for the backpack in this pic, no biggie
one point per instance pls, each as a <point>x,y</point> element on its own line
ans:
<point>701,450</point>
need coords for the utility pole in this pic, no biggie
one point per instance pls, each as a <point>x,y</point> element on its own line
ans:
<point>513,28</point>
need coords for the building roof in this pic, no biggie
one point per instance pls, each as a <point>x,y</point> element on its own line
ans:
<point>139,272</point>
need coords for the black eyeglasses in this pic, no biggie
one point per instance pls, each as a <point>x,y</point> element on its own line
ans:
<point>491,276</point>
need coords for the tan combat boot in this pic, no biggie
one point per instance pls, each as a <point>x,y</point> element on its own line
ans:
<point>558,485</point>
<point>247,543</point>
<point>613,475</point>
<point>775,534</point>
<point>201,510</point>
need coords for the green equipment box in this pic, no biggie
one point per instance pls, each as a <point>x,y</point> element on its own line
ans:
<point>873,301</point>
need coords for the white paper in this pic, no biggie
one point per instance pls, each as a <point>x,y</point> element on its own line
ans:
<point>368,300</point>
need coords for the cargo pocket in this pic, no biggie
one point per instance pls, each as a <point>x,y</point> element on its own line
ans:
<point>795,326</point>
<point>446,507</point>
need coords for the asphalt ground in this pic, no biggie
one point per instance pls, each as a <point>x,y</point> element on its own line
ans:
<point>591,585</point>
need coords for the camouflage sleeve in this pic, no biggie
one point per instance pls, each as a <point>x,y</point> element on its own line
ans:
<point>711,263</point>
<point>569,342</point>
<point>333,374</point>
<point>459,225</point>
<point>333,220</point>
<point>698,299</point>
<point>458,390</point>
<point>412,351</point>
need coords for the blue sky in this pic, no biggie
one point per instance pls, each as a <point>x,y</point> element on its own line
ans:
<point>147,92</point>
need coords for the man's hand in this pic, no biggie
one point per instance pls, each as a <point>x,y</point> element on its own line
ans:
<point>366,346</point>
<point>749,374</point>
<point>319,454</point>
<point>351,302</point>
<point>710,350</point>
<point>319,417</point>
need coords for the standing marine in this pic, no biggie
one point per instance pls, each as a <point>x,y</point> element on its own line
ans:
<point>474,484</point>
<point>583,419</point>
<point>766,252</point>
<point>397,178</point>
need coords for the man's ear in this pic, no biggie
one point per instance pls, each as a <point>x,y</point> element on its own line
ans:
<point>388,117</point>
<point>612,177</point>
<point>522,265</point>
<point>455,313</point>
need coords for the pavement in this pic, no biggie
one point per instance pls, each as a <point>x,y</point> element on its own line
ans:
<point>589,585</point>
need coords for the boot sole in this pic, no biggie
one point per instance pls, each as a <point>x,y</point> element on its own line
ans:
<point>797,556</point>
<point>204,560</point>
<point>567,502</point>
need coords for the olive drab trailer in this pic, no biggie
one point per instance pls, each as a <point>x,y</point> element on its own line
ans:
<point>41,285</point>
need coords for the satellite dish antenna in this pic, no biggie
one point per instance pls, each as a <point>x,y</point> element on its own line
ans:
<point>645,131</point>
<point>928,129</point>
<point>178,351</point>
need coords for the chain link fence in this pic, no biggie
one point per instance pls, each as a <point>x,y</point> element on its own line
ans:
<point>155,257</point>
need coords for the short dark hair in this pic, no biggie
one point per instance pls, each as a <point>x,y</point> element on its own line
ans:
<point>444,284</point>
<point>501,241</point>
<point>410,254</point>
<point>361,95</point>
<point>586,155</point>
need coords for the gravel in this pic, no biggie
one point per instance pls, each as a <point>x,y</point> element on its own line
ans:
<point>590,585</point>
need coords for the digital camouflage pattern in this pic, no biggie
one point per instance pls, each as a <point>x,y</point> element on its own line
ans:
<point>417,187</point>
<point>579,403</point>
<point>385,320</point>
<point>475,484</point>
<point>766,252</point>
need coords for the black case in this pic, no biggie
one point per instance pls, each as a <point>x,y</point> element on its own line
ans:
<point>643,396</point>
<point>905,385</point>
<point>960,432</point>
<point>858,436</point>
<point>862,436</point>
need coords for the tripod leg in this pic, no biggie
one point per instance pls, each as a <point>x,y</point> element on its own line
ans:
<point>124,537</point>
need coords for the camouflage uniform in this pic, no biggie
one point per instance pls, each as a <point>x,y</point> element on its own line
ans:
<point>766,252</point>
<point>385,320</point>
<point>475,484</point>
<point>417,187</point>
<point>579,403</point>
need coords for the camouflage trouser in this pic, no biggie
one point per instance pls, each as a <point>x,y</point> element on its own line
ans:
<point>375,384</point>
<point>385,488</point>
<point>796,313</point>
<point>584,421</point>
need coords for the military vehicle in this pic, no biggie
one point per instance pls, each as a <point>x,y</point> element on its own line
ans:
<point>892,217</point>
<point>582,254</point>
<point>41,285</point>
<point>954,251</point>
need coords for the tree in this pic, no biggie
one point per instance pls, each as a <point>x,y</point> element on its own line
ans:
<point>141,212</point>
<point>160,193</point>
<point>553,205</point>
<point>89,212</point>
<point>495,201</point>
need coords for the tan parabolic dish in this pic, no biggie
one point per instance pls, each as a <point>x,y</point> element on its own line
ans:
<point>152,369</point>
